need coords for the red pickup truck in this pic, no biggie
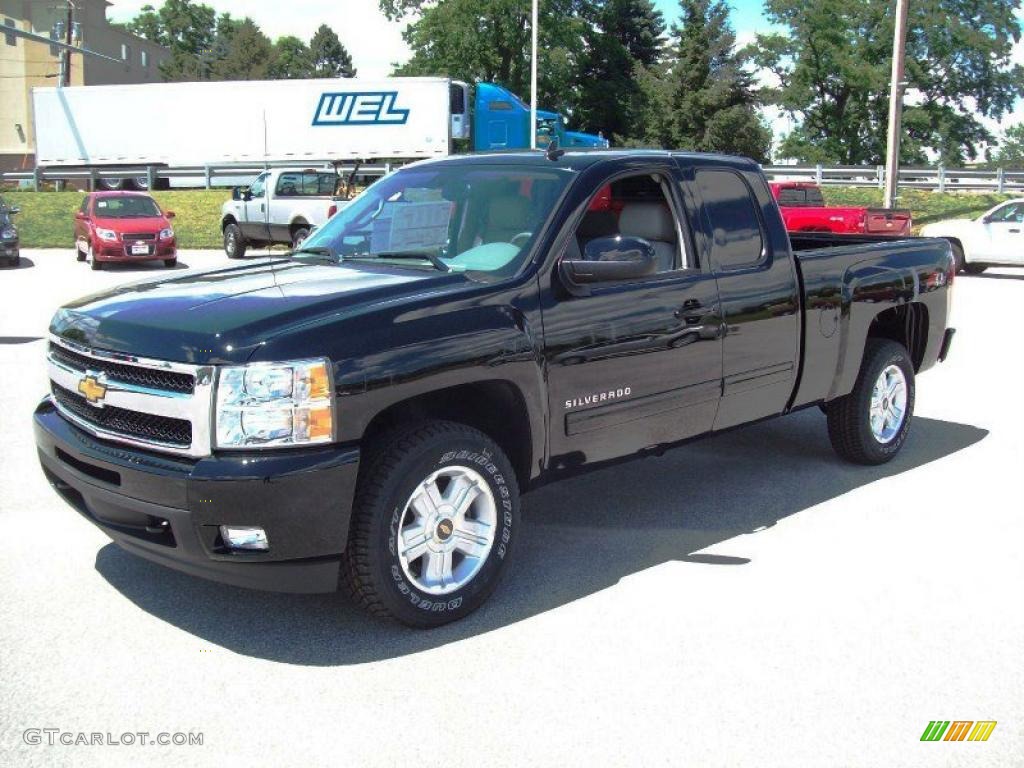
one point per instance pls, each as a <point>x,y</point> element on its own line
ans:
<point>804,210</point>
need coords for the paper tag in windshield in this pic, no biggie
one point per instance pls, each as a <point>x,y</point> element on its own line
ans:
<point>419,227</point>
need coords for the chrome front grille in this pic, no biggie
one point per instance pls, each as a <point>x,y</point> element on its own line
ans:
<point>151,404</point>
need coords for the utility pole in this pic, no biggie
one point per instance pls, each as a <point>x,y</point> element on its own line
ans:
<point>533,77</point>
<point>896,86</point>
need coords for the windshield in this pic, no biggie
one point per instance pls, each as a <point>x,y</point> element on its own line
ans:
<point>456,217</point>
<point>125,207</point>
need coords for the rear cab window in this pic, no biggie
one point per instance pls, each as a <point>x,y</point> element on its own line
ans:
<point>733,221</point>
<point>306,184</point>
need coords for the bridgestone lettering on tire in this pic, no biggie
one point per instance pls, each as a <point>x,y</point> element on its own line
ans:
<point>870,425</point>
<point>393,571</point>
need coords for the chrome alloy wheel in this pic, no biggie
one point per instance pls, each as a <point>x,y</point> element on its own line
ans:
<point>447,530</point>
<point>888,404</point>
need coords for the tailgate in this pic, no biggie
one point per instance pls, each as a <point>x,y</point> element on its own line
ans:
<point>885,221</point>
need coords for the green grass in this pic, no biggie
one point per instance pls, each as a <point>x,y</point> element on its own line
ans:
<point>925,207</point>
<point>47,218</point>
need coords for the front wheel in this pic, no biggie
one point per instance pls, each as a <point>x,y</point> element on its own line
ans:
<point>975,269</point>
<point>432,530</point>
<point>958,257</point>
<point>234,242</point>
<point>95,264</point>
<point>870,425</point>
<point>170,263</point>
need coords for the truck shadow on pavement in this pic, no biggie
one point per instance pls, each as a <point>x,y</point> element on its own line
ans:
<point>577,537</point>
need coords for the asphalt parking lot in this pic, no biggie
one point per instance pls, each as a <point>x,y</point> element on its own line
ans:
<point>746,600</point>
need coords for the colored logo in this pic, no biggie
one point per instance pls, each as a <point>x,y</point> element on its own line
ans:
<point>368,108</point>
<point>92,388</point>
<point>958,730</point>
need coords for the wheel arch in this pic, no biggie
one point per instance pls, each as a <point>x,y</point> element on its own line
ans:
<point>496,407</point>
<point>906,324</point>
<point>227,219</point>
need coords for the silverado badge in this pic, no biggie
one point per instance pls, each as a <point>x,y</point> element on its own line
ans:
<point>92,388</point>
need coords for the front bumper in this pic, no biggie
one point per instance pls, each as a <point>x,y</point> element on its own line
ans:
<point>169,509</point>
<point>122,250</point>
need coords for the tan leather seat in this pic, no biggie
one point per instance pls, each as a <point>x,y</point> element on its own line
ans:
<point>506,218</point>
<point>654,223</point>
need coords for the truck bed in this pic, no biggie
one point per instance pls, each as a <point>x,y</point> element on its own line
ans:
<point>844,279</point>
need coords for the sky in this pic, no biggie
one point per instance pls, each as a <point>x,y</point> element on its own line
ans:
<point>376,43</point>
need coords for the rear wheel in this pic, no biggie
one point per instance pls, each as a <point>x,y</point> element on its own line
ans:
<point>975,269</point>
<point>433,525</point>
<point>234,242</point>
<point>298,236</point>
<point>870,425</point>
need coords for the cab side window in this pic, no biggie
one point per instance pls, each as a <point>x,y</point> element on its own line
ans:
<point>737,239</point>
<point>1012,213</point>
<point>259,187</point>
<point>636,206</point>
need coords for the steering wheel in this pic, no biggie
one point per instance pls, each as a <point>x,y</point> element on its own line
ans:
<point>524,236</point>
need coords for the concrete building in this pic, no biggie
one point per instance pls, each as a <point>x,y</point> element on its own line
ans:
<point>26,64</point>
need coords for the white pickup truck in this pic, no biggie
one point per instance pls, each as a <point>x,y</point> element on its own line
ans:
<point>281,206</point>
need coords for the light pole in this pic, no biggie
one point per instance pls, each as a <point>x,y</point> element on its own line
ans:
<point>533,77</point>
<point>896,85</point>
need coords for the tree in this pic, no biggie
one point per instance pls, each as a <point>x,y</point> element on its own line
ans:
<point>703,97</point>
<point>622,39</point>
<point>1010,153</point>
<point>292,59</point>
<point>489,41</point>
<point>329,56</point>
<point>831,67</point>
<point>249,55</point>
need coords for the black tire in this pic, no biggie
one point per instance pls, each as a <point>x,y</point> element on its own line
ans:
<point>170,263</point>
<point>234,241</point>
<point>849,423</point>
<point>975,269</point>
<point>298,236</point>
<point>400,463</point>
<point>95,264</point>
<point>79,253</point>
<point>958,257</point>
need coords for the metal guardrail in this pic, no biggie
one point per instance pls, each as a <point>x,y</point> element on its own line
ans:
<point>202,175</point>
<point>938,178</point>
<point>934,178</point>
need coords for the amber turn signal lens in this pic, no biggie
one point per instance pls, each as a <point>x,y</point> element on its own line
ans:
<point>319,382</point>
<point>321,425</point>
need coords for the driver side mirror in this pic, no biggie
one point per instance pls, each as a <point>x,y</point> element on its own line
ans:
<point>14,209</point>
<point>609,259</point>
<point>168,214</point>
<point>241,193</point>
<point>80,215</point>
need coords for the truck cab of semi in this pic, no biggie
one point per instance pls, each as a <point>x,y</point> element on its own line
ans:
<point>502,121</point>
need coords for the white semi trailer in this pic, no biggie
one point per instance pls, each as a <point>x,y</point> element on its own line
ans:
<point>181,125</point>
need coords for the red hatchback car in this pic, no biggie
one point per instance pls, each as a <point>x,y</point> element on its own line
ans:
<point>123,226</point>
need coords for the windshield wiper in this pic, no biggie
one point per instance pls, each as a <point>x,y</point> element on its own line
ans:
<point>316,250</point>
<point>434,260</point>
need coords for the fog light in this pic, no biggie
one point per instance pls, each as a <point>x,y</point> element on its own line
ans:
<point>244,537</point>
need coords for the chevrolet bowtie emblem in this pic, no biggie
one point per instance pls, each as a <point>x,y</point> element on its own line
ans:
<point>92,389</point>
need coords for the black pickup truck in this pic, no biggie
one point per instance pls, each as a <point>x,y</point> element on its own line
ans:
<point>366,410</point>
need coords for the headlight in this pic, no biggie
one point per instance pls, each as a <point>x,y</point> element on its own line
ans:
<point>166,234</point>
<point>10,233</point>
<point>273,404</point>
<point>106,234</point>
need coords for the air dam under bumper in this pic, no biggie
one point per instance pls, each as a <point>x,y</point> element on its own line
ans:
<point>169,510</point>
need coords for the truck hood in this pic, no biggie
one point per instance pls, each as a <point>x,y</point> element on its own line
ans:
<point>223,315</point>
